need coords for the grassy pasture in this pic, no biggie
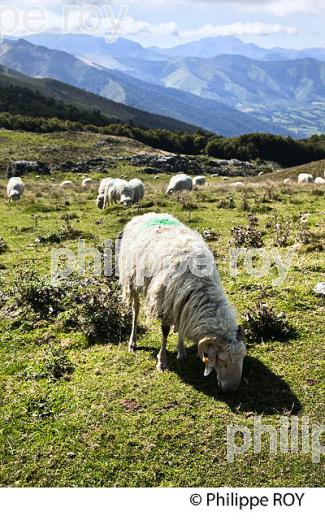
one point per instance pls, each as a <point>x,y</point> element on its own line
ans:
<point>114,420</point>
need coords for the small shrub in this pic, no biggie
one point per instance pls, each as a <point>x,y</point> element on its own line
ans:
<point>39,408</point>
<point>65,232</point>
<point>32,290</point>
<point>3,246</point>
<point>270,195</point>
<point>228,203</point>
<point>264,324</point>
<point>186,201</point>
<point>99,314</point>
<point>305,235</point>
<point>247,236</point>
<point>57,364</point>
<point>244,205</point>
<point>282,229</point>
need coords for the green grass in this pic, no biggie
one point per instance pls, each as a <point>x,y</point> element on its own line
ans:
<point>114,420</point>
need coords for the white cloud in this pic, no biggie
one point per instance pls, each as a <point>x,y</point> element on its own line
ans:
<point>109,22</point>
<point>239,29</point>
<point>132,27</point>
<point>277,8</point>
<point>135,27</point>
<point>282,8</point>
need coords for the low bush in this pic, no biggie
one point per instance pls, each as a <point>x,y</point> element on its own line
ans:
<point>247,236</point>
<point>99,314</point>
<point>264,324</point>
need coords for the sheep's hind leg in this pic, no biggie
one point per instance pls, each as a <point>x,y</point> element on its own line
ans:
<point>181,352</point>
<point>135,315</point>
<point>162,356</point>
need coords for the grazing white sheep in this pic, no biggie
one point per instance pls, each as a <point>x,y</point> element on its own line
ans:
<point>180,182</point>
<point>287,181</point>
<point>138,190</point>
<point>66,184</point>
<point>319,180</point>
<point>238,184</point>
<point>174,268</point>
<point>305,178</point>
<point>15,189</point>
<point>105,184</point>
<point>120,192</point>
<point>86,183</point>
<point>199,181</point>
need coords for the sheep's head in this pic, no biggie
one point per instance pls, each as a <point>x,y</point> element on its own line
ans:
<point>126,201</point>
<point>15,195</point>
<point>100,201</point>
<point>225,358</point>
<point>127,195</point>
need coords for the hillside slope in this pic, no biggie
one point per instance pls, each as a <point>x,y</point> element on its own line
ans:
<point>30,103</point>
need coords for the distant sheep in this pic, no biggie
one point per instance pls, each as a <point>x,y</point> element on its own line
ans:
<point>120,192</point>
<point>138,190</point>
<point>238,184</point>
<point>66,184</point>
<point>173,267</point>
<point>199,181</point>
<point>305,178</point>
<point>180,182</point>
<point>15,189</point>
<point>287,181</point>
<point>319,180</point>
<point>105,184</point>
<point>86,183</point>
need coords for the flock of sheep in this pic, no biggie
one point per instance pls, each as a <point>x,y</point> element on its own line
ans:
<point>115,191</point>
<point>306,178</point>
<point>128,193</point>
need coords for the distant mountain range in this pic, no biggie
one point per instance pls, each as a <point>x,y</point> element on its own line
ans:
<point>83,45</point>
<point>283,88</point>
<point>213,46</point>
<point>210,114</point>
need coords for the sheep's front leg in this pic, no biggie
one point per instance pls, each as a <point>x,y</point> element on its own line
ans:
<point>181,352</point>
<point>135,315</point>
<point>162,356</point>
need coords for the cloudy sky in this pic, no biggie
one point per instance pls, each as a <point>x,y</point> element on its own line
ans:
<point>285,23</point>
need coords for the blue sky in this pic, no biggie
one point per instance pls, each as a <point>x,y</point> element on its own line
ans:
<point>285,23</point>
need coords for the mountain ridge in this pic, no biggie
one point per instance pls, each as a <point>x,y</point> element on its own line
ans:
<point>41,62</point>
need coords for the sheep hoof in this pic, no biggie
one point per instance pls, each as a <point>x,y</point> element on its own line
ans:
<point>161,367</point>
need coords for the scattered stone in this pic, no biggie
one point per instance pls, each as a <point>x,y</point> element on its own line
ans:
<point>320,289</point>
<point>20,168</point>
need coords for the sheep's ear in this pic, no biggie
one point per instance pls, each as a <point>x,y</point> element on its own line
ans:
<point>208,370</point>
<point>240,333</point>
<point>208,354</point>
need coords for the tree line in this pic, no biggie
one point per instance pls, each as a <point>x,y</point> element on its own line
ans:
<point>24,109</point>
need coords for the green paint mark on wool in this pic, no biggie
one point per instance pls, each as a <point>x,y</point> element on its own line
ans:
<point>158,221</point>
